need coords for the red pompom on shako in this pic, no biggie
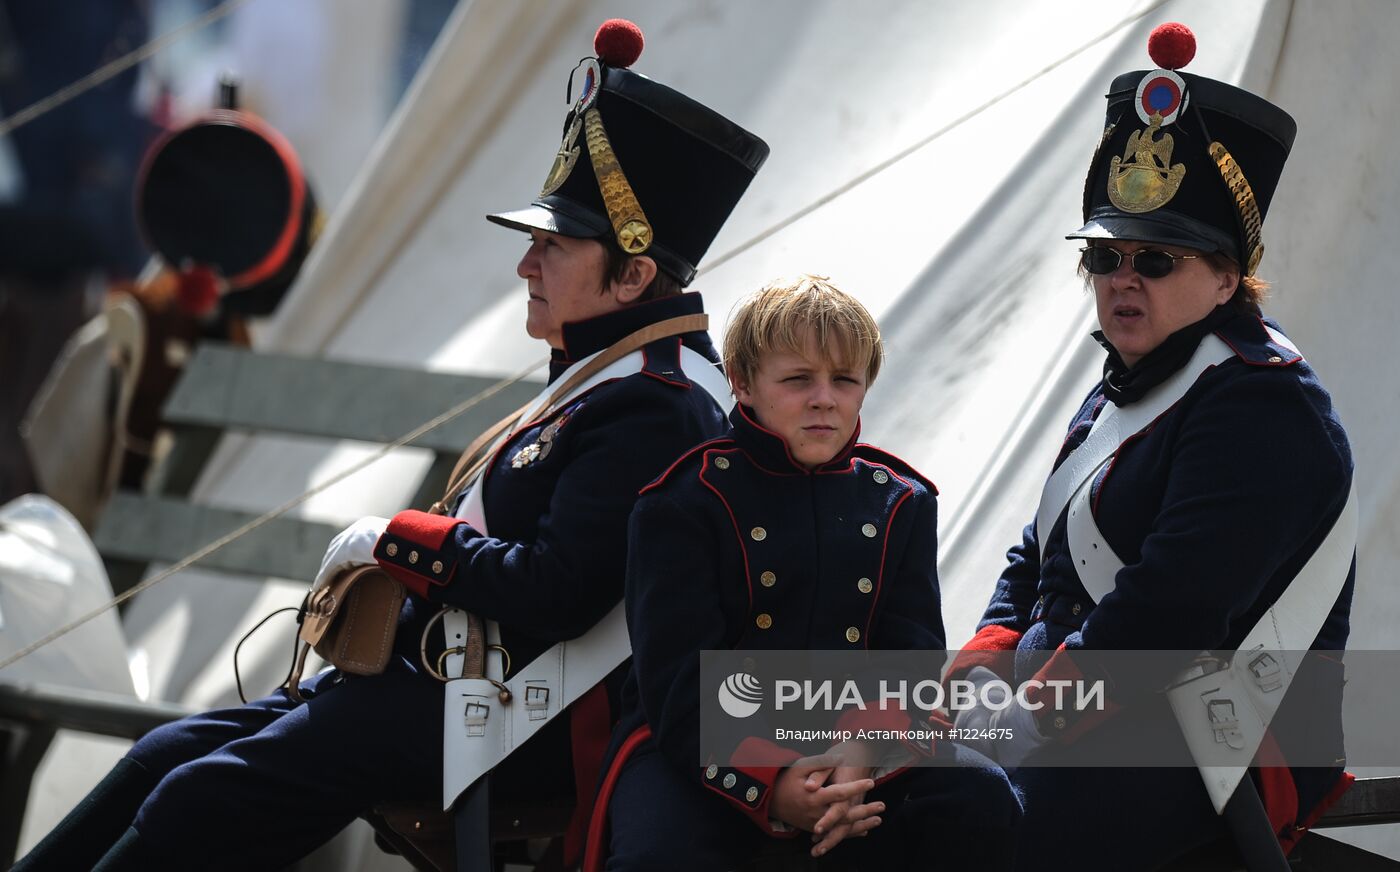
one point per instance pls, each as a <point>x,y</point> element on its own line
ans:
<point>619,42</point>
<point>1171,46</point>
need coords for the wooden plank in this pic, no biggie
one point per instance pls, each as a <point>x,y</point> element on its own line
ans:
<point>90,711</point>
<point>178,471</point>
<point>1370,801</point>
<point>147,528</point>
<point>226,387</point>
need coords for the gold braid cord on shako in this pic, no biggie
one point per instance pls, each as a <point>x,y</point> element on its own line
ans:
<point>1245,203</point>
<point>618,43</point>
<point>629,222</point>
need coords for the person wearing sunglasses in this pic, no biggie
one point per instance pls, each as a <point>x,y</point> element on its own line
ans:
<point>1194,487</point>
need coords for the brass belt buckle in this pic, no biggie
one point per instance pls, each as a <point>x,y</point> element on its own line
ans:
<point>439,671</point>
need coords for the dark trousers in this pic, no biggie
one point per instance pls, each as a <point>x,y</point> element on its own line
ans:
<point>261,785</point>
<point>957,816</point>
<point>1120,819</point>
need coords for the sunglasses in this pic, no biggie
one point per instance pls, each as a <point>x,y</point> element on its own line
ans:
<point>1150,263</point>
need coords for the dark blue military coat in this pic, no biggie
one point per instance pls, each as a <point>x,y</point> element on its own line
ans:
<point>739,546</point>
<point>1213,509</point>
<point>554,562</point>
<point>551,567</point>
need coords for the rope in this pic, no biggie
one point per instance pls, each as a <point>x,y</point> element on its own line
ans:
<point>883,165</point>
<point>114,68</point>
<point>262,519</point>
<point>228,6</point>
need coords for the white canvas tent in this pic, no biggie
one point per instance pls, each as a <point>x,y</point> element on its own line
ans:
<point>928,157</point>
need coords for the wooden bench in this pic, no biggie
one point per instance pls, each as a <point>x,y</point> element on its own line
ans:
<point>226,389</point>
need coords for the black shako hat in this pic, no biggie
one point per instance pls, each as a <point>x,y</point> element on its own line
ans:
<point>1185,160</point>
<point>641,163</point>
<point>226,196</point>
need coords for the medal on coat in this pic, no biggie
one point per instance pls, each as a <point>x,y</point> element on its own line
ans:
<point>540,448</point>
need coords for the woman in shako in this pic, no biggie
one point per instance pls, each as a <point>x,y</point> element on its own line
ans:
<point>257,787</point>
<point>787,534</point>
<point>1216,469</point>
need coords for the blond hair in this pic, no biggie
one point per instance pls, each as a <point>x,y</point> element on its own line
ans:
<point>779,316</point>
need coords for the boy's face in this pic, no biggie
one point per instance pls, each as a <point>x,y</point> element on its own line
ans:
<point>809,401</point>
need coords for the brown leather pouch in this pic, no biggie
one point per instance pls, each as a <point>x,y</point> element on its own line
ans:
<point>351,622</point>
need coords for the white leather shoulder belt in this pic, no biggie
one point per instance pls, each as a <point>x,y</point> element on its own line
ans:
<point>479,731</point>
<point>1223,708</point>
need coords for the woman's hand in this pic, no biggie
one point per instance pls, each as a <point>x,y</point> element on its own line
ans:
<point>353,546</point>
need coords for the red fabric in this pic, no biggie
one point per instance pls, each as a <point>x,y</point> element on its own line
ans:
<point>595,852</point>
<point>197,290</point>
<point>1290,838</point>
<point>429,532</point>
<point>1061,667</point>
<point>985,649</point>
<point>421,528</point>
<point>1276,788</point>
<point>766,775</point>
<point>590,726</point>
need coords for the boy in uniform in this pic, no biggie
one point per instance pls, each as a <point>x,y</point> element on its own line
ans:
<point>785,533</point>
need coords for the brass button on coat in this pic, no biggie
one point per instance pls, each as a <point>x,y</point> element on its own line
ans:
<point>852,635</point>
<point>1276,359</point>
<point>1059,722</point>
<point>764,621</point>
<point>1077,609</point>
<point>391,549</point>
<point>865,585</point>
<point>758,534</point>
<point>881,476</point>
<point>768,579</point>
<point>711,772</point>
<point>869,531</point>
<point>437,567</point>
<point>721,462</point>
<point>729,780</point>
<point>413,557</point>
<point>751,794</point>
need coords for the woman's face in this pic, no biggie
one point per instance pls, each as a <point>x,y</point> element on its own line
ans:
<point>812,403</point>
<point>565,280</point>
<point>1137,313</point>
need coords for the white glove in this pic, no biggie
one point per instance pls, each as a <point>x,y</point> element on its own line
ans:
<point>977,718</point>
<point>353,546</point>
<point>1025,736</point>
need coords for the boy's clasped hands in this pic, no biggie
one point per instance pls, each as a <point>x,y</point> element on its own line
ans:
<point>825,795</point>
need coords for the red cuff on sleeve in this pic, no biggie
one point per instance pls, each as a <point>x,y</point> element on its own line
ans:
<point>416,550</point>
<point>988,648</point>
<point>750,788</point>
<point>1065,723</point>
